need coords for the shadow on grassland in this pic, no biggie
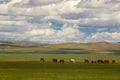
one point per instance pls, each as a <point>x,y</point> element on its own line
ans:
<point>116,52</point>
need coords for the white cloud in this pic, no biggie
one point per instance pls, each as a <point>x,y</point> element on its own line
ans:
<point>31,18</point>
<point>45,32</point>
<point>66,34</point>
<point>12,36</point>
<point>89,11</point>
<point>104,36</point>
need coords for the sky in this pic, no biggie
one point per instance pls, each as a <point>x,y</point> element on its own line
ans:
<point>60,21</point>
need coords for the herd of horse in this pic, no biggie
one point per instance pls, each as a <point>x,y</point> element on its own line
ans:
<point>85,61</point>
<point>54,60</point>
<point>100,61</point>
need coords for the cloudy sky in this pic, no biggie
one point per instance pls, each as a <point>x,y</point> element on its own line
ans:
<point>60,21</point>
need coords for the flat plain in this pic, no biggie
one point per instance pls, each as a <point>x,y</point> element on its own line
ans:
<point>35,70</point>
<point>29,67</point>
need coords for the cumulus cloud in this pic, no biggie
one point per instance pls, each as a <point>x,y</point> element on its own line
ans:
<point>82,20</point>
<point>68,33</point>
<point>104,36</point>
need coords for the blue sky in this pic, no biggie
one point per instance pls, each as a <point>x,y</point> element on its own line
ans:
<point>60,21</point>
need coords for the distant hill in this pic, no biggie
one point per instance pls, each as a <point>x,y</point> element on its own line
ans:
<point>19,43</point>
<point>118,42</point>
<point>18,47</point>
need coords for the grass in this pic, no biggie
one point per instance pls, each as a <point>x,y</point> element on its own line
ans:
<point>28,67</point>
<point>35,70</point>
<point>66,48</point>
<point>20,61</point>
<point>48,57</point>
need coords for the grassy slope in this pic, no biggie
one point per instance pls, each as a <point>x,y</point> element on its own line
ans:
<point>77,48</point>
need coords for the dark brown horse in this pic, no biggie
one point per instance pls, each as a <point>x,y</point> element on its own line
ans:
<point>54,60</point>
<point>61,61</point>
<point>42,59</point>
<point>86,61</point>
<point>93,62</point>
<point>106,61</point>
<point>100,61</point>
<point>113,61</point>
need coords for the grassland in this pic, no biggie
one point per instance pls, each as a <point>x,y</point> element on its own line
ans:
<point>21,61</point>
<point>49,57</point>
<point>34,70</point>
<point>66,48</point>
<point>28,67</point>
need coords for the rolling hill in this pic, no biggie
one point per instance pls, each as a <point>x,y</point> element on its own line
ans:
<point>20,47</point>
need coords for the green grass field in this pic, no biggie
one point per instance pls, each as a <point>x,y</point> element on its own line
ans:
<point>28,67</point>
<point>35,70</point>
<point>49,57</point>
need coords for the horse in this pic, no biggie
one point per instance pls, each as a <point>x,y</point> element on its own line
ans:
<point>42,59</point>
<point>86,61</point>
<point>93,61</point>
<point>100,61</point>
<point>54,60</point>
<point>61,61</point>
<point>106,61</point>
<point>72,60</point>
<point>113,61</point>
